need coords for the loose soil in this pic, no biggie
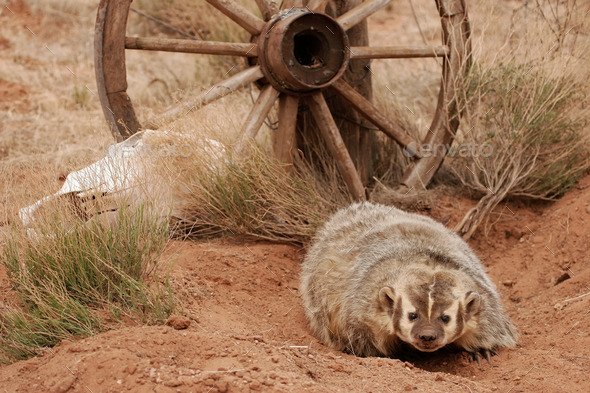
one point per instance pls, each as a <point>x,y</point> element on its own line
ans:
<point>248,331</point>
<point>240,326</point>
<point>13,96</point>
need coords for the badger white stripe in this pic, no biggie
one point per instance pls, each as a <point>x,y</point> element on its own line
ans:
<point>430,301</point>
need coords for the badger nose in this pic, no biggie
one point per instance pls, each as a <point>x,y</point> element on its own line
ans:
<point>427,334</point>
<point>428,337</point>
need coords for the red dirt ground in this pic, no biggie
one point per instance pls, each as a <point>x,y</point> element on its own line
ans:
<point>248,331</point>
<point>13,96</point>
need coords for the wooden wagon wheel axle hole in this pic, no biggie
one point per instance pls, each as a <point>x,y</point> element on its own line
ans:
<point>292,55</point>
<point>301,51</point>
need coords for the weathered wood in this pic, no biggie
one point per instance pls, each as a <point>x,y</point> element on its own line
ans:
<point>367,109</point>
<point>268,8</point>
<point>397,52</point>
<point>456,36</point>
<point>317,5</point>
<point>215,92</point>
<point>283,139</point>
<point>250,22</point>
<point>110,71</point>
<point>361,144</point>
<point>255,118</point>
<point>191,46</point>
<point>112,84</point>
<point>289,4</point>
<point>360,13</point>
<point>122,109</point>
<point>331,135</point>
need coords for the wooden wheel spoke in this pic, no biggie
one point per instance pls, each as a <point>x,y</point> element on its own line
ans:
<point>397,52</point>
<point>192,46</point>
<point>367,109</point>
<point>255,118</point>
<point>284,138</point>
<point>317,5</point>
<point>288,4</point>
<point>111,44</point>
<point>360,12</point>
<point>329,130</point>
<point>216,91</point>
<point>268,8</point>
<point>250,22</point>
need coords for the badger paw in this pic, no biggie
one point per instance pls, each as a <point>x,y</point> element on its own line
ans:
<point>480,354</point>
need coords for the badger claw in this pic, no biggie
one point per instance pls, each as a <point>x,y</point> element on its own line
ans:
<point>481,353</point>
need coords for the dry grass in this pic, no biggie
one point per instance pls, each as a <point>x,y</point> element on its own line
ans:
<point>55,125</point>
<point>219,192</point>
<point>530,132</point>
<point>71,276</point>
<point>406,90</point>
<point>160,79</point>
<point>525,104</point>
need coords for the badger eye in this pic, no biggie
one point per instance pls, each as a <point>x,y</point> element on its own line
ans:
<point>412,316</point>
<point>445,318</point>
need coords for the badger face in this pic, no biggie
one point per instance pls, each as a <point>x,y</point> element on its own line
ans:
<point>430,312</point>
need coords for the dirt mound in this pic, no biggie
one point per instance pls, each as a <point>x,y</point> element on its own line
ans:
<point>18,13</point>
<point>13,96</point>
<point>248,332</point>
<point>4,43</point>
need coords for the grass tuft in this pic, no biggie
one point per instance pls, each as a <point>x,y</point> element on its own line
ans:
<point>252,196</point>
<point>527,133</point>
<point>71,277</point>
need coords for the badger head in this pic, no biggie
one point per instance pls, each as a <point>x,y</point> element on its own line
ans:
<point>430,310</point>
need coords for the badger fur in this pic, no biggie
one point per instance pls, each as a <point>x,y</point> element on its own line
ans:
<point>376,276</point>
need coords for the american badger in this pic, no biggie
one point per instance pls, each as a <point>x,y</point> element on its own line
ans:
<point>376,275</point>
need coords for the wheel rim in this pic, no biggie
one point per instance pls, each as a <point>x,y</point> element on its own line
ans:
<point>292,56</point>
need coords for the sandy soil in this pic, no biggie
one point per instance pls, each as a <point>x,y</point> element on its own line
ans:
<point>248,332</point>
<point>240,326</point>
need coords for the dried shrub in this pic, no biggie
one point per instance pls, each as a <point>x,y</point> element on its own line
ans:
<point>224,193</point>
<point>529,130</point>
<point>69,276</point>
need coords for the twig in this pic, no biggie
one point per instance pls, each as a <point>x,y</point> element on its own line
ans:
<point>575,298</point>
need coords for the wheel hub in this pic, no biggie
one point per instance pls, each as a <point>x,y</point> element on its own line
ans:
<point>301,51</point>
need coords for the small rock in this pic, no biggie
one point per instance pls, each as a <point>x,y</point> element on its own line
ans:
<point>178,322</point>
<point>275,359</point>
<point>131,369</point>
<point>508,283</point>
<point>64,384</point>
<point>222,386</point>
<point>562,278</point>
<point>268,382</point>
<point>408,388</point>
<point>408,365</point>
<point>439,378</point>
<point>173,383</point>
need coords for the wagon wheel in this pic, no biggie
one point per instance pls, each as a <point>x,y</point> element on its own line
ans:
<point>294,55</point>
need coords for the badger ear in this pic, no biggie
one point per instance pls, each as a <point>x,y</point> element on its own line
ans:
<point>386,299</point>
<point>472,304</point>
